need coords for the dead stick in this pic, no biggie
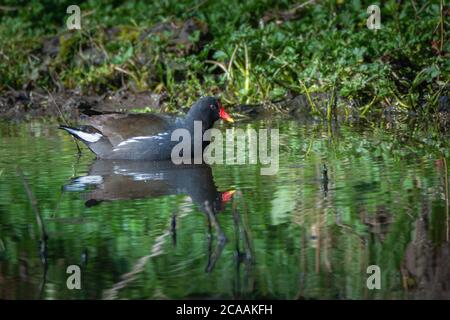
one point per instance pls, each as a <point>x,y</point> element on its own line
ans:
<point>64,120</point>
<point>33,203</point>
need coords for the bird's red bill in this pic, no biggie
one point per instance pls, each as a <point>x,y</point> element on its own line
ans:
<point>227,196</point>
<point>225,116</point>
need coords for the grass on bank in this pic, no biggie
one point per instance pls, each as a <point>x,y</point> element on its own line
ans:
<point>246,51</point>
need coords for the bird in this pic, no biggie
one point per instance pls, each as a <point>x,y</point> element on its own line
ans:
<point>113,180</point>
<point>124,136</point>
<point>124,180</point>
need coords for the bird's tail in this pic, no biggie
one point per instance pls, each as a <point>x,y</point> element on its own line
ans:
<point>92,138</point>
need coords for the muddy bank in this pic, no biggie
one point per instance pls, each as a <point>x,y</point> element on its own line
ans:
<point>23,105</point>
<point>70,105</point>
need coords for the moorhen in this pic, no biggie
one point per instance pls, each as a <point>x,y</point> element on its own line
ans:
<point>144,136</point>
<point>111,180</point>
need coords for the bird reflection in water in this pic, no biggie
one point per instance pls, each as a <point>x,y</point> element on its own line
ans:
<point>111,180</point>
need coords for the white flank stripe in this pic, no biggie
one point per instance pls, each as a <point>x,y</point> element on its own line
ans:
<point>90,180</point>
<point>138,139</point>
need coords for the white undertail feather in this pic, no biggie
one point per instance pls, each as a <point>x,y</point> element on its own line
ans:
<point>88,137</point>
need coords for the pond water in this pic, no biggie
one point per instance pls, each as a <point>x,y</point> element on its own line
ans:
<point>345,197</point>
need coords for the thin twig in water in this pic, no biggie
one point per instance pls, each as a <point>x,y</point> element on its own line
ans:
<point>64,120</point>
<point>138,267</point>
<point>33,203</point>
<point>43,233</point>
<point>245,231</point>
<point>213,257</point>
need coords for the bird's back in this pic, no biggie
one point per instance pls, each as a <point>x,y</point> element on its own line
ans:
<point>119,127</point>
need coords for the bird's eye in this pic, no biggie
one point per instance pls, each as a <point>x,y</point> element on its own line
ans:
<point>213,107</point>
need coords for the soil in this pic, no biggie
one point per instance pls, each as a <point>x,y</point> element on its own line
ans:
<point>70,105</point>
<point>25,105</point>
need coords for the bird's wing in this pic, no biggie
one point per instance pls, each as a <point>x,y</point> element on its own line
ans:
<point>120,127</point>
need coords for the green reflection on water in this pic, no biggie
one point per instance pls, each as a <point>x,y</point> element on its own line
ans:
<point>301,233</point>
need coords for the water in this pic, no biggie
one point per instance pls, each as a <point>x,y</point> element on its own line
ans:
<point>344,198</point>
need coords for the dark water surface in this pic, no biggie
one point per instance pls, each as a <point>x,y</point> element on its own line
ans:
<point>140,230</point>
